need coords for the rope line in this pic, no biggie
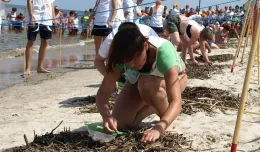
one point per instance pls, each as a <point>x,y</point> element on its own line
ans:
<point>80,15</point>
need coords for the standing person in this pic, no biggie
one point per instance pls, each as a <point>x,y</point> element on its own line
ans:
<point>64,22</point>
<point>70,22</point>
<point>57,19</point>
<point>156,13</point>
<point>217,8</point>
<point>187,9</point>
<point>137,12</point>
<point>84,21</point>
<point>165,13</point>
<point>75,25</point>
<point>19,22</point>
<point>11,18</point>
<point>106,20</point>
<point>226,10</point>
<point>129,10</point>
<point>174,11</point>
<point>90,24</point>
<point>2,11</point>
<point>39,22</point>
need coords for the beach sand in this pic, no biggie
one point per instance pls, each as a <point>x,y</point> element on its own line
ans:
<point>41,103</point>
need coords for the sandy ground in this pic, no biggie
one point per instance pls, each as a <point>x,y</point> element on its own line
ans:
<point>40,104</point>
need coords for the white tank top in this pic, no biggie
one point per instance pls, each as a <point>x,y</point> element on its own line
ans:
<point>157,19</point>
<point>103,12</point>
<point>119,15</point>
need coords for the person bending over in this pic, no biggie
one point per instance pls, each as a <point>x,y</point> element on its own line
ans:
<point>189,32</point>
<point>155,80</point>
<point>103,52</point>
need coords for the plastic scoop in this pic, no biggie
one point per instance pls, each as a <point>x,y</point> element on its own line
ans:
<point>97,133</point>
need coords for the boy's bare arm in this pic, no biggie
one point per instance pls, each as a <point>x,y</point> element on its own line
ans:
<point>30,10</point>
<point>6,1</point>
<point>53,11</point>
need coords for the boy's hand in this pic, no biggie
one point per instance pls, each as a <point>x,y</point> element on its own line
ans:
<point>110,125</point>
<point>209,63</point>
<point>6,1</point>
<point>151,136</point>
<point>32,22</point>
<point>110,24</point>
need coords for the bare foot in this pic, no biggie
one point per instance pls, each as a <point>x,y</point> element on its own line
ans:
<point>195,62</point>
<point>196,52</point>
<point>42,70</point>
<point>26,72</point>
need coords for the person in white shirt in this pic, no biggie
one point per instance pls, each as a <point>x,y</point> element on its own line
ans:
<point>104,49</point>
<point>39,17</point>
<point>231,14</point>
<point>156,14</point>
<point>2,11</point>
<point>138,12</point>
<point>241,12</point>
<point>174,10</point>
<point>105,20</point>
<point>133,13</point>
<point>129,10</point>
<point>75,24</point>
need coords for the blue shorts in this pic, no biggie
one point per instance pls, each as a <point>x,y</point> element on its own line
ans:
<point>45,33</point>
<point>210,43</point>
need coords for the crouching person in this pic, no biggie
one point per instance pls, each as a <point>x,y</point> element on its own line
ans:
<point>155,80</point>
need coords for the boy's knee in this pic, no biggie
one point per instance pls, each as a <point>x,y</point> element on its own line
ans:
<point>44,42</point>
<point>147,86</point>
<point>30,43</point>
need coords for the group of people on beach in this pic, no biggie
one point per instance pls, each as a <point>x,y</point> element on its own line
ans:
<point>144,46</point>
<point>147,55</point>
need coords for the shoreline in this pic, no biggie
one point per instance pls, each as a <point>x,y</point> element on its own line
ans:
<point>12,68</point>
<point>40,106</point>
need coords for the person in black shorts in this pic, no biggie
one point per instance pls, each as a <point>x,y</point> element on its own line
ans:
<point>37,26</point>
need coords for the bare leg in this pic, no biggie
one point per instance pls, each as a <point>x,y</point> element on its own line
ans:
<point>214,46</point>
<point>152,96</point>
<point>184,52</point>
<point>196,46</point>
<point>127,106</point>
<point>135,103</point>
<point>28,57</point>
<point>42,53</point>
<point>98,40</point>
<point>175,39</point>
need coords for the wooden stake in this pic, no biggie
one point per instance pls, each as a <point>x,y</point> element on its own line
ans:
<point>242,34</point>
<point>259,61</point>
<point>249,27</point>
<point>60,43</point>
<point>246,84</point>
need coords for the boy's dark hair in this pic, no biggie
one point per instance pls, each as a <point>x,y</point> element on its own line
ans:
<point>128,25</point>
<point>72,12</point>
<point>14,9</point>
<point>127,44</point>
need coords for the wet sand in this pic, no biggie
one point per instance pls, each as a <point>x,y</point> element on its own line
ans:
<point>12,68</point>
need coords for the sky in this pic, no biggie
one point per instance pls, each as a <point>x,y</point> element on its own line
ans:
<point>86,4</point>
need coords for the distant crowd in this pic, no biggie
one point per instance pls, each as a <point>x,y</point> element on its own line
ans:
<point>71,21</point>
